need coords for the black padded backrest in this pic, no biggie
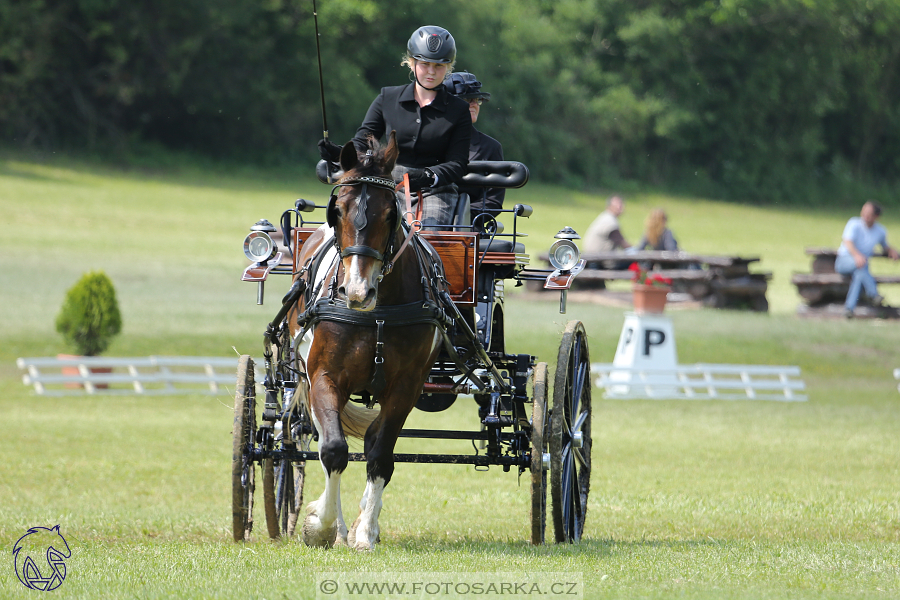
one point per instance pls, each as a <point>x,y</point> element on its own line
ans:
<point>482,173</point>
<point>322,172</point>
<point>496,174</point>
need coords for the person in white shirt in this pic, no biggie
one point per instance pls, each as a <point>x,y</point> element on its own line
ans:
<point>604,235</point>
<point>861,235</point>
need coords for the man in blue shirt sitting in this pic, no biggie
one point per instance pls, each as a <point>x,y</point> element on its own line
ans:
<point>861,235</point>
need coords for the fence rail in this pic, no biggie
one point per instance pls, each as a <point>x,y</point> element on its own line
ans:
<point>144,375</point>
<point>701,382</point>
<point>897,376</point>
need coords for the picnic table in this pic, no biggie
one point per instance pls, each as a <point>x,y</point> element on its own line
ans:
<point>717,281</point>
<point>824,290</point>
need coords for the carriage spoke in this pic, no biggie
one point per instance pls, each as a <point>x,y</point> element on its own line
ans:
<point>579,454</point>
<point>578,387</point>
<point>567,500</point>
<point>580,422</point>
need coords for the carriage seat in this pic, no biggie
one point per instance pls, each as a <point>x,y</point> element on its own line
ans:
<point>500,245</point>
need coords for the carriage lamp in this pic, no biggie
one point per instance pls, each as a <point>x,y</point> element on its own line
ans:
<point>259,245</point>
<point>564,254</point>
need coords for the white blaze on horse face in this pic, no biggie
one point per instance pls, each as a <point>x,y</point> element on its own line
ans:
<point>361,289</point>
<point>370,508</point>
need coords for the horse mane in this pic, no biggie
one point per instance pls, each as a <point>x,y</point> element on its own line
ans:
<point>373,164</point>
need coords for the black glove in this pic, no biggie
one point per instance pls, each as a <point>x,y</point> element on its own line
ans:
<point>328,150</point>
<point>419,179</point>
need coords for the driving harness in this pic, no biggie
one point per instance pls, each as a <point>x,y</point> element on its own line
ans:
<point>330,306</point>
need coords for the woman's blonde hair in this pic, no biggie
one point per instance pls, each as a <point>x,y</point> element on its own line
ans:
<point>410,62</point>
<point>655,226</point>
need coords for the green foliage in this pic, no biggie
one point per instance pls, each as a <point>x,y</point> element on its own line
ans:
<point>779,100</point>
<point>90,317</point>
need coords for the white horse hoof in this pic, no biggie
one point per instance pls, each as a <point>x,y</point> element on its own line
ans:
<point>317,537</point>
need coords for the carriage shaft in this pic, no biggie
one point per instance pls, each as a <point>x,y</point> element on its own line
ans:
<point>459,459</point>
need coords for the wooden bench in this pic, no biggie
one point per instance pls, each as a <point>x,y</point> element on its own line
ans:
<point>824,286</point>
<point>718,281</point>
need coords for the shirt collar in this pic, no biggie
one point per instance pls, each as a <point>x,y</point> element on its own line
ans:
<point>440,101</point>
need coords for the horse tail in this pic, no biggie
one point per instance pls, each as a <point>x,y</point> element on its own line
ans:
<point>356,420</point>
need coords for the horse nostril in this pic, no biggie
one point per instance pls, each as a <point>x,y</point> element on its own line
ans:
<point>342,291</point>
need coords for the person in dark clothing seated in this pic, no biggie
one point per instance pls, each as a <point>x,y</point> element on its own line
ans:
<point>483,147</point>
<point>433,127</point>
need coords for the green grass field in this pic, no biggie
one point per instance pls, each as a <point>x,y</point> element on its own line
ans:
<point>688,500</point>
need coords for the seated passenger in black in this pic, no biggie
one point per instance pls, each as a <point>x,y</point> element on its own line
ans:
<point>482,146</point>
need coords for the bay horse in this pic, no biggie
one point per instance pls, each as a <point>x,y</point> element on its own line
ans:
<point>376,334</point>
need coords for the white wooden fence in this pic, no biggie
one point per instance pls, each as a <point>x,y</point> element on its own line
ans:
<point>897,376</point>
<point>146,375</point>
<point>701,382</point>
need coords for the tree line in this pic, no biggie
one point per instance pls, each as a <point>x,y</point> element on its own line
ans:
<point>780,100</point>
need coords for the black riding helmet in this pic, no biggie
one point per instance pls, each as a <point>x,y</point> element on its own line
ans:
<point>466,86</point>
<point>431,43</point>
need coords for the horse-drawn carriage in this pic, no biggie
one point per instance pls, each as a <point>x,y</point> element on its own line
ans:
<point>381,313</point>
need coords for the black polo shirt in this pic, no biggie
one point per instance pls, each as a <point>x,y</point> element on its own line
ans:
<point>435,136</point>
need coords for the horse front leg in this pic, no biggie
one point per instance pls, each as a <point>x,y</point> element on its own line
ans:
<point>324,523</point>
<point>381,438</point>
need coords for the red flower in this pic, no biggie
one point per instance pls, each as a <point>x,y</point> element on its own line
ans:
<point>643,277</point>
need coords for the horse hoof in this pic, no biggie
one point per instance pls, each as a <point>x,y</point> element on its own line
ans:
<point>317,537</point>
<point>351,535</point>
<point>342,540</point>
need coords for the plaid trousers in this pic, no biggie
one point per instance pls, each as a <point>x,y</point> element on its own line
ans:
<point>438,203</point>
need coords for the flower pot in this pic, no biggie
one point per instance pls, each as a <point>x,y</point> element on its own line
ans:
<point>76,371</point>
<point>649,298</point>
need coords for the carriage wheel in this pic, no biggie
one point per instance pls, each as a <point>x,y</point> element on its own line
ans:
<point>283,492</point>
<point>292,478</point>
<point>570,435</point>
<point>283,480</point>
<point>540,443</point>
<point>243,471</point>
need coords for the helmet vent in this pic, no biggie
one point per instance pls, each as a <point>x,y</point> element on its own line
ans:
<point>434,42</point>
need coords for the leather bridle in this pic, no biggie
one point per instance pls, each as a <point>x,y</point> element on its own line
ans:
<point>360,221</point>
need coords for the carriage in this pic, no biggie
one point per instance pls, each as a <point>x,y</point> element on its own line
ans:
<point>521,429</point>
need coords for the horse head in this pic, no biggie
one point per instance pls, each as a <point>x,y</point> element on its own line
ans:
<point>365,215</point>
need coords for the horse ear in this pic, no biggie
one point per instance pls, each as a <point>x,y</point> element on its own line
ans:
<point>349,158</point>
<point>391,153</point>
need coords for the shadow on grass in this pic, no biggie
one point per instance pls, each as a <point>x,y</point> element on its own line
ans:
<point>8,170</point>
<point>592,547</point>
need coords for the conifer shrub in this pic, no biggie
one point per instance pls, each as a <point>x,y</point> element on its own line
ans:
<point>89,317</point>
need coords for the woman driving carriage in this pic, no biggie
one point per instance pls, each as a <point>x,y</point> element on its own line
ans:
<point>433,127</point>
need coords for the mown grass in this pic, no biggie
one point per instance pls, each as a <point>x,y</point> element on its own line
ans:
<point>688,499</point>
